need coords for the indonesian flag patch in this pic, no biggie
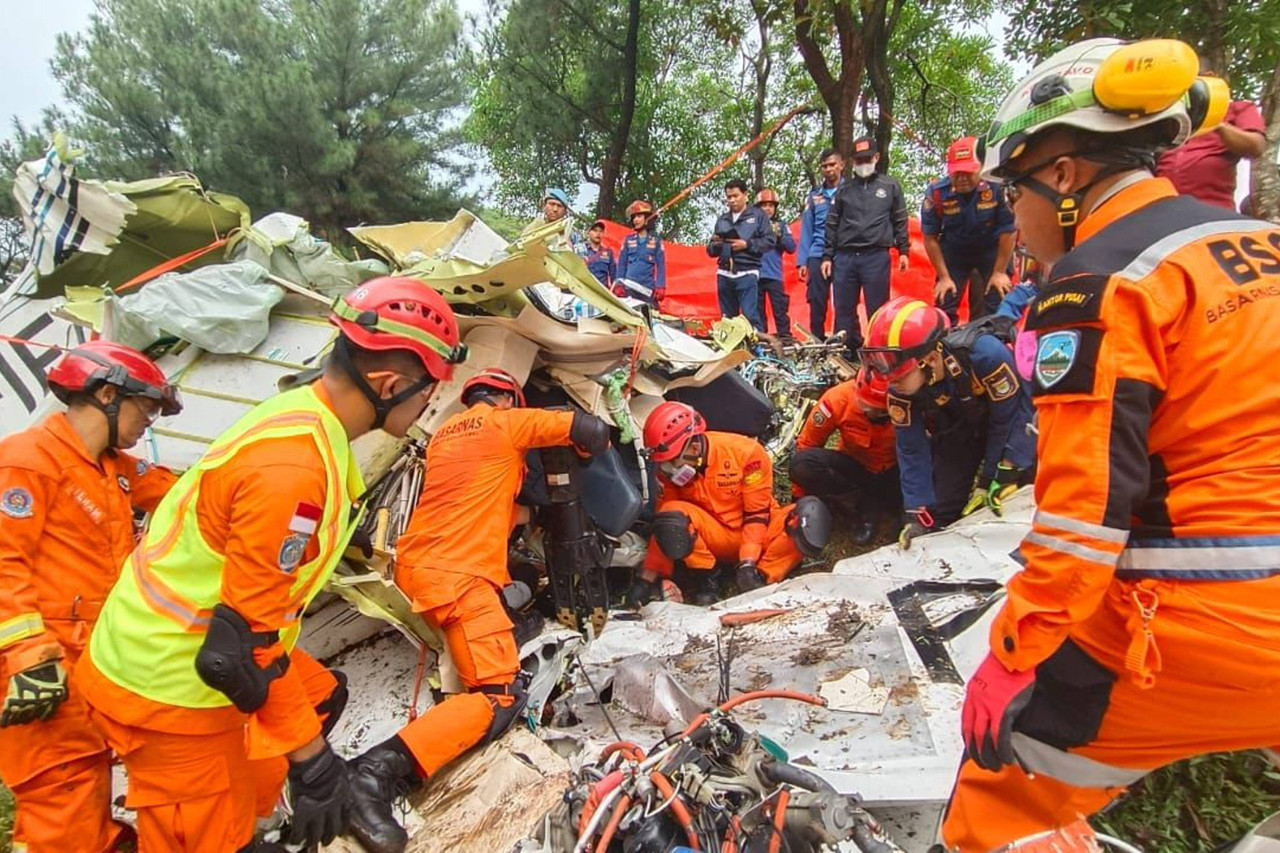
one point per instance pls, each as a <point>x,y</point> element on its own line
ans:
<point>306,518</point>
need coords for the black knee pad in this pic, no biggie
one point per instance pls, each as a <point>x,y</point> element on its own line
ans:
<point>330,710</point>
<point>671,532</point>
<point>505,715</point>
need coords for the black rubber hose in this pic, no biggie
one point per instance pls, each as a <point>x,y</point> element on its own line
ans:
<point>781,773</point>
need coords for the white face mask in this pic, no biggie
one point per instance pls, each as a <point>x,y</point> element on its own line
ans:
<point>864,170</point>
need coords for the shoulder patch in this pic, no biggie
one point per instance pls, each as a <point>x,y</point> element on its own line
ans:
<point>1000,383</point>
<point>143,467</point>
<point>752,472</point>
<point>291,550</point>
<point>899,411</point>
<point>1066,361</point>
<point>17,503</point>
<point>1067,302</point>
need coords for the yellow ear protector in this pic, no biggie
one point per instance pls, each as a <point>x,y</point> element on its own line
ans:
<point>1136,80</point>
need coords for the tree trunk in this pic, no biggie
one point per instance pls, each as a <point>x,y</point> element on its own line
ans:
<point>839,93</point>
<point>762,64</point>
<point>607,203</point>
<point>1266,177</point>
<point>876,39</point>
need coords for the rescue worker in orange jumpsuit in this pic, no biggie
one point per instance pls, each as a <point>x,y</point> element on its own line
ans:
<point>860,476</point>
<point>68,492</point>
<point>717,504</point>
<point>1143,628</point>
<point>191,672</point>
<point>452,563</point>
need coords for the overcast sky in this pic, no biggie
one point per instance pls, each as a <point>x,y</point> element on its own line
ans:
<point>27,37</point>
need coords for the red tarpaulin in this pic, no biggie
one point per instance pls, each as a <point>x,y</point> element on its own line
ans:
<point>691,277</point>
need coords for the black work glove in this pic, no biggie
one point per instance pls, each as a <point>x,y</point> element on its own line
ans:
<point>749,576</point>
<point>34,694</point>
<point>919,522</point>
<point>642,592</point>
<point>320,791</point>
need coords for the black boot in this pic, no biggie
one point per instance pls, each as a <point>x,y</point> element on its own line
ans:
<point>707,588</point>
<point>861,532</point>
<point>378,777</point>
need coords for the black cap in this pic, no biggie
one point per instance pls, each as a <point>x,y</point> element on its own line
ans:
<point>864,146</point>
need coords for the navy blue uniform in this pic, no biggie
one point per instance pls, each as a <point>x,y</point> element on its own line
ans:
<point>965,423</point>
<point>642,267</point>
<point>968,227</point>
<point>813,232</point>
<point>601,263</point>
<point>867,216</point>
<point>738,279</point>
<point>771,278</point>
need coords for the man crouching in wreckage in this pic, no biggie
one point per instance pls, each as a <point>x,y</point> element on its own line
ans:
<point>717,504</point>
<point>452,563</point>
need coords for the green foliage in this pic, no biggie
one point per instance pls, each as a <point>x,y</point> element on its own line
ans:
<point>548,95</point>
<point>1246,33</point>
<point>948,84</point>
<point>1196,805</point>
<point>337,110</point>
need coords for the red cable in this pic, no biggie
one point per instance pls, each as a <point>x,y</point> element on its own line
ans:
<point>779,818</point>
<point>596,796</point>
<point>677,807</point>
<point>624,803</point>
<point>751,697</point>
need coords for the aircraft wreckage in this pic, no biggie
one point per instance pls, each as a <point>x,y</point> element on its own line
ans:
<point>823,710</point>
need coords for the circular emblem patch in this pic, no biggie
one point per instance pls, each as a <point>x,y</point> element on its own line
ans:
<point>17,503</point>
<point>291,552</point>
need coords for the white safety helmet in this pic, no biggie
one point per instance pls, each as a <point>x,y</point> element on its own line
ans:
<point>1107,86</point>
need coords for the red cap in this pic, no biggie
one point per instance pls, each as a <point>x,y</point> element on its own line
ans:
<point>962,156</point>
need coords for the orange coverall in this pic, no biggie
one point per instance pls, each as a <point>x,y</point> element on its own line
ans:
<point>66,526</point>
<point>871,444</point>
<point>452,563</point>
<point>1153,563</point>
<point>731,510</point>
<point>198,777</point>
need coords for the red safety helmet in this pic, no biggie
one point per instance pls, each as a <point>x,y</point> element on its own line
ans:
<point>669,428</point>
<point>398,312</point>
<point>106,363</point>
<point>766,195</point>
<point>493,379</point>
<point>902,331</point>
<point>638,206</point>
<point>872,390</point>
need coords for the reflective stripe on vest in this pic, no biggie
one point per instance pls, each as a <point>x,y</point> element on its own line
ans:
<point>1212,558</point>
<point>1070,767</point>
<point>153,622</point>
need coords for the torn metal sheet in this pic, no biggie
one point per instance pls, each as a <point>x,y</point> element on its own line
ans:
<point>836,623</point>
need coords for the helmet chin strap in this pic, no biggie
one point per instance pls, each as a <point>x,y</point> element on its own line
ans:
<point>1070,206</point>
<point>382,406</point>
<point>112,412</point>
